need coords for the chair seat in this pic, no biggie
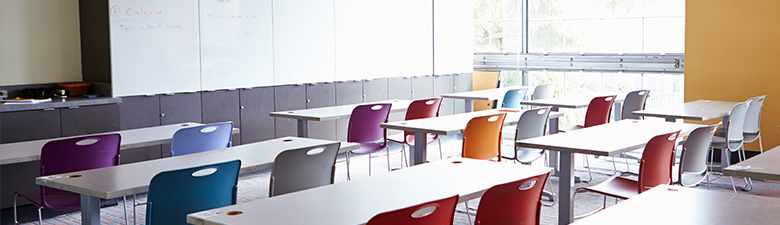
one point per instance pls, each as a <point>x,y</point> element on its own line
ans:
<point>688,178</point>
<point>720,142</point>
<point>54,201</point>
<point>618,187</point>
<point>368,148</point>
<point>409,140</point>
<point>748,137</point>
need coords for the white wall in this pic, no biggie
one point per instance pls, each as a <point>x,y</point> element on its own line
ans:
<point>39,41</point>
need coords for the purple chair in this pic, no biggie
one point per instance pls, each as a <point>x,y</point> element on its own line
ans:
<point>364,129</point>
<point>201,138</point>
<point>70,155</point>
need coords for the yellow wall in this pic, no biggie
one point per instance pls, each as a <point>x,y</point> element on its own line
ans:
<point>732,52</point>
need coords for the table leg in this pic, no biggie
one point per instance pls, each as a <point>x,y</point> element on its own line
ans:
<point>617,111</point>
<point>469,105</point>
<point>671,120</point>
<point>725,159</point>
<point>90,210</point>
<point>303,128</point>
<point>566,189</point>
<point>553,159</point>
<point>420,150</point>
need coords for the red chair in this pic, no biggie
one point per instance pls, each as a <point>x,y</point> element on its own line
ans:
<point>430,213</point>
<point>419,109</point>
<point>598,113</point>
<point>655,169</point>
<point>71,155</point>
<point>518,202</point>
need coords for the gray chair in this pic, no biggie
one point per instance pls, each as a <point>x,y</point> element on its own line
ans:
<point>733,139</point>
<point>303,168</point>
<point>634,101</point>
<point>544,91</point>
<point>693,160</point>
<point>532,123</point>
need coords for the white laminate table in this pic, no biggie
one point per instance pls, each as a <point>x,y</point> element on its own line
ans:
<point>761,166</point>
<point>134,178</point>
<point>303,116</point>
<point>666,204</point>
<point>486,95</point>
<point>356,201</point>
<point>31,150</point>
<point>700,110</point>
<point>609,139</point>
<point>447,125</point>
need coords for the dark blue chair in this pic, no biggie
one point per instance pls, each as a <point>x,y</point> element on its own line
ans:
<point>201,138</point>
<point>512,98</point>
<point>174,194</point>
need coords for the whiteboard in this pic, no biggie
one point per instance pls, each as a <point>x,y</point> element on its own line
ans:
<point>236,40</point>
<point>303,41</point>
<point>453,36</point>
<point>411,31</point>
<point>362,39</point>
<point>154,46</point>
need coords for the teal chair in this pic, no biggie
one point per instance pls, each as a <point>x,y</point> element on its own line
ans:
<point>512,98</point>
<point>174,194</point>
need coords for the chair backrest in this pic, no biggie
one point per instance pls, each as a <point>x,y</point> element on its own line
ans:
<point>694,153</point>
<point>599,110</point>
<point>655,167</point>
<point>303,168</point>
<point>544,91</point>
<point>422,108</point>
<point>364,123</point>
<point>634,101</point>
<point>753,114</point>
<point>512,98</point>
<point>201,138</point>
<point>518,202</point>
<point>482,137</point>
<point>438,212</point>
<point>735,126</point>
<point>532,123</point>
<point>176,193</point>
<point>76,154</point>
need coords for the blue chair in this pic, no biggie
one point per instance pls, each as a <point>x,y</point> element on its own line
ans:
<point>512,98</point>
<point>201,138</point>
<point>174,194</point>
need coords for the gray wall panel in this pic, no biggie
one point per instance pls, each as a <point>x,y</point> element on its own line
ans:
<point>256,124</point>
<point>89,119</point>
<point>139,111</point>
<point>462,83</point>
<point>347,92</point>
<point>375,90</point>
<point>422,87</point>
<point>180,108</point>
<point>442,84</point>
<point>288,97</point>
<point>222,106</point>
<point>399,88</point>
<point>321,95</point>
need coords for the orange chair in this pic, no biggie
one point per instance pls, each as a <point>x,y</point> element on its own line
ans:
<point>430,213</point>
<point>418,109</point>
<point>655,169</point>
<point>518,202</point>
<point>482,137</point>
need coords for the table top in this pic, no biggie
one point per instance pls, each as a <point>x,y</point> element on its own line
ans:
<point>337,112</point>
<point>700,110</point>
<point>609,139</point>
<point>455,123</point>
<point>31,150</point>
<point>572,102</point>
<point>128,179</point>
<point>358,200</point>
<point>761,166</point>
<point>678,205</point>
<point>487,94</point>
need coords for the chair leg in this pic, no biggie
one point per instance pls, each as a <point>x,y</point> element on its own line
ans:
<point>760,143</point>
<point>707,176</point>
<point>468,212</point>
<point>348,177</point>
<point>587,163</point>
<point>404,161</point>
<point>16,221</point>
<point>134,205</point>
<point>369,164</point>
<point>388,158</point>
<point>441,155</point>
<point>40,218</point>
<point>733,186</point>
<point>124,207</point>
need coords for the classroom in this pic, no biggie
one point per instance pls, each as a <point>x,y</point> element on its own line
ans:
<point>296,72</point>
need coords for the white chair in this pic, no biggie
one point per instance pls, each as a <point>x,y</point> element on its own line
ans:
<point>752,128</point>
<point>693,160</point>
<point>733,140</point>
<point>532,123</point>
<point>544,91</point>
